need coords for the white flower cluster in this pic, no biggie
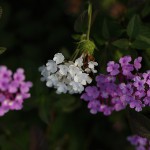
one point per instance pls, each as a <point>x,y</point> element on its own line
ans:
<point>68,76</point>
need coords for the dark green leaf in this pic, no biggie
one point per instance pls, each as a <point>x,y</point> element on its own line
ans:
<point>81,23</point>
<point>99,41</point>
<point>146,10</point>
<point>1,11</point>
<point>139,123</point>
<point>121,43</point>
<point>105,30</point>
<point>2,50</point>
<point>44,110</point>
<point>76,37</point>
<point>134,26</point>
<point>138,44</point>
<point>67,103</point>
<point>144,31</point>
<point>144,39</point>
<point>107,3</point>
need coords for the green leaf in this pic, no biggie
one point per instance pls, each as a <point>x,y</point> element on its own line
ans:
<point>138,44</point>
<point>44,110</point>
<point>121,43</point>
<point>2,50</point>
<point>139,124</point>
<point>1,11</point>
<point>67,103</point>
<point>107,3</point>
<point>146,10</point>
<point>105,30</point>
<point>79,37</point>
<point>76,37</point>
<point>144,39</point>
<point>81,23</point>
<point>134,26</point>
<point>99,41</point>
<point>145,31</point>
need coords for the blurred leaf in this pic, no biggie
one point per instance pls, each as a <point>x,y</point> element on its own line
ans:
<point>65,52</point>
<point>99,41</point>
<point>44,110</point>
<point>139,123</point>
<point>138,44</point>
<point>105,30</point>
<point>76,37</point>
<point>144,31</point>
<point>121,43</point>
<point>107,3</point>
<point>134,26</point>
<point>81,23</point>
<point>1,11</point>
<point>67,103</point>
<point>144,39</point>
<point>146,10</point>
<point>2,50</point>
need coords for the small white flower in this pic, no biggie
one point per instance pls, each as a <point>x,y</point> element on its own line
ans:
<point>44,72</point>
<point>63,69</point>
<point>73,70</point>
<point>59,58</point>
<point>54,79</point>
<point>51,66</point>
<point>77,87</point>
<point>88,79</point>
<point>79,62</point>
<point>41,68</point>
<point>49,83</point>
<point>82,78</point>
<point>88,70</point>
<point>92,65</point>
<point>61,88</point>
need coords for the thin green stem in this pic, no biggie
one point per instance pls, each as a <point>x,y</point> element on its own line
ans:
<point>89,20</point>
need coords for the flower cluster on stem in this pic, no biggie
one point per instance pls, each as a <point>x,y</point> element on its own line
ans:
<point>139,142</point>
<point>68,76</point>
<point>13,89</point>
<point>123,86</point>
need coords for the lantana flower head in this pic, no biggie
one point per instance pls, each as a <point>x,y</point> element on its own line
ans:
<point>139,142</point>
<point>13,89</point>
<point>123,86</point>
<point>67,76</point>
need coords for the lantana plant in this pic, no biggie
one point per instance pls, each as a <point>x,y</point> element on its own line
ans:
<point>123,87</point>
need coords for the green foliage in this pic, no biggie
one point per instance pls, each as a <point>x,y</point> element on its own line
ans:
<point>121,43</point>
<point>1,11</point>
<point>105,30</point>
<point>139,124</point>
<point>134,27</point>
<point>2,50</point>
<point>81,23</point>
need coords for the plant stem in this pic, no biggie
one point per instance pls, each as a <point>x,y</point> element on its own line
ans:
<point>89,20</point>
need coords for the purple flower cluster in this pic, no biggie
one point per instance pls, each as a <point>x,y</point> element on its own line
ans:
<point>13,89</point>
<point>139,142</point>
<point>123,86</point>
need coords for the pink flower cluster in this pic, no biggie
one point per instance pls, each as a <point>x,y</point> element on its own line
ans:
<point>123,86</point>
<point>13,89</point>
<point>139,142</point>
